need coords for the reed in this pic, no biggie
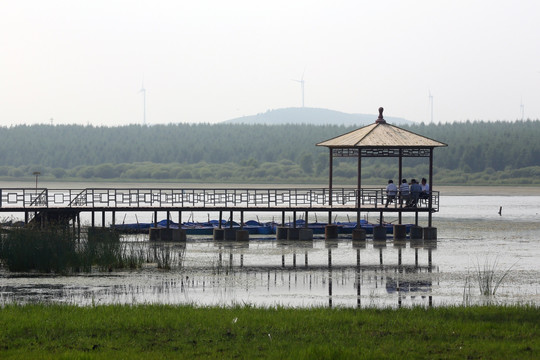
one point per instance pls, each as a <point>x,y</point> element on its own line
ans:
<point>166,256</point>
<point>58,250</point>
<point>51,250</point>
<point>489,277</point>
<point>132,256</point>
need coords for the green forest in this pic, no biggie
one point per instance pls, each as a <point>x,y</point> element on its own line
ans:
<point>478,153</point>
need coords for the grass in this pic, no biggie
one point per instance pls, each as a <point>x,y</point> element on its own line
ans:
<point>162,332</point>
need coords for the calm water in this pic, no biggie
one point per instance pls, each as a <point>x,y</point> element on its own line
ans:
<point>265,272</point>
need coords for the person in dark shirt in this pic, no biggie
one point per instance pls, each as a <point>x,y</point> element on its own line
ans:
<point>415,190</point>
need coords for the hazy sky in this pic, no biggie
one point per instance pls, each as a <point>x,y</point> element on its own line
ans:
<point>84,62</point>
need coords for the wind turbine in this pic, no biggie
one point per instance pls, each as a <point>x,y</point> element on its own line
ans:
<point>431,105</point>
<point>301,81</point>
<point>143,91</point>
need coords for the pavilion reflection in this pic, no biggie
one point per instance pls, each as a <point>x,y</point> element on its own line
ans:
<point>367,275</point>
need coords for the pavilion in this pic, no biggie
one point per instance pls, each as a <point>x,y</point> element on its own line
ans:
<point>381,139</point>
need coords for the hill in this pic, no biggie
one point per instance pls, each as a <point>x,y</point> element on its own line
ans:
<point>312,116</point>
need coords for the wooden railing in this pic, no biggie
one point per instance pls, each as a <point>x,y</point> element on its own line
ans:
<point>32,198</point>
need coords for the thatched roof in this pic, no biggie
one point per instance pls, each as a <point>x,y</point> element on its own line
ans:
<point>381,134</point>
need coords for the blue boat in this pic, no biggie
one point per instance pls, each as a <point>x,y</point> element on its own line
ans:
<point>252,226</point>
<point>343,227</point>
<point>198,228</point>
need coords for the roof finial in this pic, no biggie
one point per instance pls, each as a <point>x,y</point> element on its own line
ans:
<point>380,119</point>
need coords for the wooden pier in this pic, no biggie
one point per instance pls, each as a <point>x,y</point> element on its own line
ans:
<point>45,205</point>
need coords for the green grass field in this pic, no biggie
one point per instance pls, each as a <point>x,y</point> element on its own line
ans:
<point>171,332</point>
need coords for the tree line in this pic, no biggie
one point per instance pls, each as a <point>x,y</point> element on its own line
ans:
<point>482,152</point>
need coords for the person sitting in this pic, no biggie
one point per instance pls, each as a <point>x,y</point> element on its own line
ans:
<point>415,191</point>
<point>391,192</point>
<point>403,192</point>
<point>425,189</point>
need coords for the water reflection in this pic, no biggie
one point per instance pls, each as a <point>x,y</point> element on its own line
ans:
<point>262,272</point>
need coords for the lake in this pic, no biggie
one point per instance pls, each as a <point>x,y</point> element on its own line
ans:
<point>473,240</point>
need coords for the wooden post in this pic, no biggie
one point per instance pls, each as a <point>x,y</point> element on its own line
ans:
<point>79,226</point>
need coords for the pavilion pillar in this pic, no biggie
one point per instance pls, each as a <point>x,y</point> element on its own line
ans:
<point>400,171</point>
<point>330,181</point>
<point>330,171</point>
<point>359,187</point>
<point>430,185</point>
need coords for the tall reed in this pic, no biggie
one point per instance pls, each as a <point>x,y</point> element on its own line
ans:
<point>58,250</point>
<point>166,256</point>
<point>490,278</point>
<point>50,250</point>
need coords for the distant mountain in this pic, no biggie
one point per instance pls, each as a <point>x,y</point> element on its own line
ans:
<point>313,116</point>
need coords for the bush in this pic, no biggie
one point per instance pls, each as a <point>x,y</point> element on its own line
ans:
<point>16,173</point>
<point>106,171</point>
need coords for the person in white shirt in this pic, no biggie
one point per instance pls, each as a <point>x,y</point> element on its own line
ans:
<point>403,192</point>
<point>391,192</point>
<point>425,189</point>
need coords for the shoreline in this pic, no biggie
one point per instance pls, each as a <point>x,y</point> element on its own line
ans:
<point>474,190</point>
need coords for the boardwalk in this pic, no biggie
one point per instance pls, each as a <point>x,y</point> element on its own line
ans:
<point>220,199</point>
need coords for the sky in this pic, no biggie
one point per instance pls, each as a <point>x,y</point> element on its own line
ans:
<point>85,62</point>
